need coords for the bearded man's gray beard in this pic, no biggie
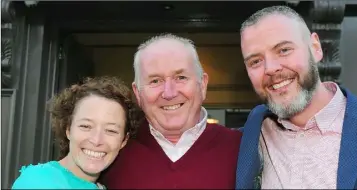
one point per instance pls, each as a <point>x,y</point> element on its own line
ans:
<point>302,99</point>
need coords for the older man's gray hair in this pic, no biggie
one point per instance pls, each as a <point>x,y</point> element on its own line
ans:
<point>186,42</point>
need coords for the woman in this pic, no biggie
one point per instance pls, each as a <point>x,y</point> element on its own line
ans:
<point>92,122</point>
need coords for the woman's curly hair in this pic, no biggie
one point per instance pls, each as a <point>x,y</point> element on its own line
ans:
<point>63,105</point>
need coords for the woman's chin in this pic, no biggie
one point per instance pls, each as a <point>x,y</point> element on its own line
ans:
<point>93,170</point>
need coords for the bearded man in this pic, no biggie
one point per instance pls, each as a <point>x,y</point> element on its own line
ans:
<point>305,135</point>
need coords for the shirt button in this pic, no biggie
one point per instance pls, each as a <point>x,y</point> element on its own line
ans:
<point>302,135</point>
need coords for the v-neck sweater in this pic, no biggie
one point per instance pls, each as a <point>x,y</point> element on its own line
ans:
<point>209,164</point>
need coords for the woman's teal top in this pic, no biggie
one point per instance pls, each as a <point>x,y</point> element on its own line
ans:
<point>50,175</point>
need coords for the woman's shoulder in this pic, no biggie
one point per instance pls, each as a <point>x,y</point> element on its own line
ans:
<point>41,167</point>
<point>38,176</point>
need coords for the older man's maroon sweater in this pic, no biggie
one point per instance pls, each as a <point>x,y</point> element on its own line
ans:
<point>209,164</point>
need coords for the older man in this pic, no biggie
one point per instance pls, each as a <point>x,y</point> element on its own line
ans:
<point>305,137</point>
<point>176,148</point>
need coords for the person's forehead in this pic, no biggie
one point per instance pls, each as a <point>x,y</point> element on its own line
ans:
<point>95,100</point>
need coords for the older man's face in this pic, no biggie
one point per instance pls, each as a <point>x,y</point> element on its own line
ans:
<point>171,94</point>
<point>280,64</point>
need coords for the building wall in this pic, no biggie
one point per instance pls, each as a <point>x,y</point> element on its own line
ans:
<point>349,53</point>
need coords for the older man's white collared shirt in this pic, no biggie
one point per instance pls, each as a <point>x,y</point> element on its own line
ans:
<point>176,151</point>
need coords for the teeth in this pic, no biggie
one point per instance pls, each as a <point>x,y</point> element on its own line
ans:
<point>173,107</point>
<point>93,153</point>
<point>284,83</point>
